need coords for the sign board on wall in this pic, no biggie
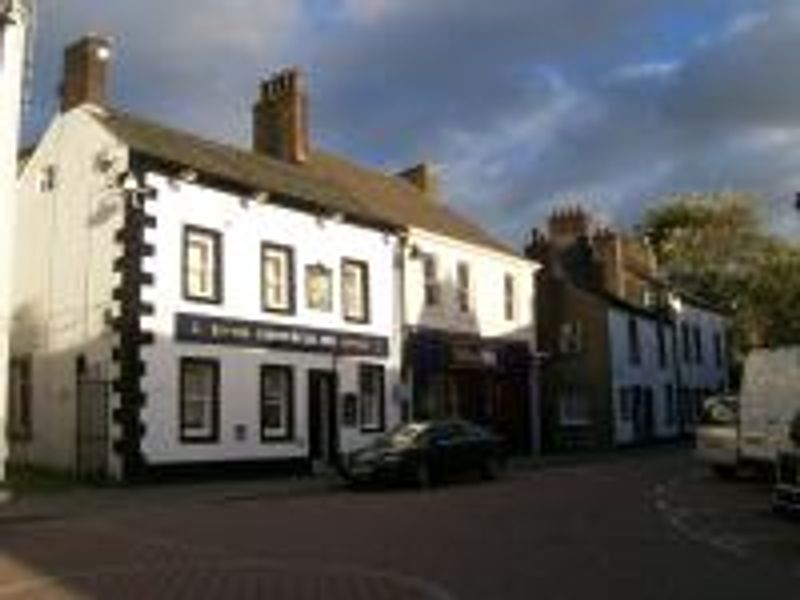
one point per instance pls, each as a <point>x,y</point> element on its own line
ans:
<point>203,329</point>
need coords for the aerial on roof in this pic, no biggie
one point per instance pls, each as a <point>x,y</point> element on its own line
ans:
<point>325,180</point>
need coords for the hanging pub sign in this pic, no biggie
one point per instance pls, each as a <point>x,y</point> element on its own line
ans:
<point>203,329</point>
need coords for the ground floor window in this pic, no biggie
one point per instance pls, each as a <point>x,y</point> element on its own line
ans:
<point>373,395</point>
<point>574,407</point>
<point>20,422</point>
<point>199,400</point>
<point>625,404</point>
<point>277,402</point>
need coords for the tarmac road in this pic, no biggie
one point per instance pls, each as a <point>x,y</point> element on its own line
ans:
<point>644,525</point>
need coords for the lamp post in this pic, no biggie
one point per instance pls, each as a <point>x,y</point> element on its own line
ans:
<point>675,308</point>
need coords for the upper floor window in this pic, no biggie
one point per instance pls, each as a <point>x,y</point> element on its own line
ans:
<point>686,343</point>
<point>277,278</point>
<point>662,345</point>
<point>462,286</point>
<point>199,400</point>
<point>48,178</point>
<point>202,264</point>
<point>355,290</point>
<point>570,338</point>
<point>319,288</point>
<point>634,345</point>
<point>698,345</point>
<point>510,297</point>
<point>718,349</point>
<point>431,279</point>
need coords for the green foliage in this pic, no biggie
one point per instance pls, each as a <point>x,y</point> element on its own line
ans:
<point>714,246</point>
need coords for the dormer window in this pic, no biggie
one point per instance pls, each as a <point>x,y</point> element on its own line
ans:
<point>48,179</point>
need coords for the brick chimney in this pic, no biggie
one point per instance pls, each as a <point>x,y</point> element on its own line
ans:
<point>565,226</point>
<point>85,72</point>
<point>609,250</point>
<point>423,177</point>
<point>280,118</point>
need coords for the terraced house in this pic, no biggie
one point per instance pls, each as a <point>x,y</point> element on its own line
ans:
<point>182,303</point>
<point>629,359</point>
<point>16,23</point>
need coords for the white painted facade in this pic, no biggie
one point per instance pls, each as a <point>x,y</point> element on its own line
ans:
<point>674,383</point>
<point>63,283</point>
<point>244,226</point>
<point>488,269</point>
<point>70,211</point>
<point>15,24</point>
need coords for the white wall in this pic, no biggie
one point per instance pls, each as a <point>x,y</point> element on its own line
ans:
<point>487,303</point>
<point>648,373</point>
<point>12,60</point>
<point>243,229</point>
<point>63,278</point>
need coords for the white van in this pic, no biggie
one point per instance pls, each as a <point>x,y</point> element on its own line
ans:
<point>768,401</point>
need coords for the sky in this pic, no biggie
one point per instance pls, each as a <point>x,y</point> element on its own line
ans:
<point>522,105</point>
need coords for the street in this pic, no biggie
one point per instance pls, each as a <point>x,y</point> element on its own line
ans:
<point>647,524</point>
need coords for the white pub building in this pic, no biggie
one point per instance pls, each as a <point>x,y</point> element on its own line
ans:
<point>182,304</point>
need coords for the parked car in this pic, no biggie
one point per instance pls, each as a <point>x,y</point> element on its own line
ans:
<point>427,452</point>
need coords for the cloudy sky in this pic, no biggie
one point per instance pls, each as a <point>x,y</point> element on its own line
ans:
<point>522,104</point>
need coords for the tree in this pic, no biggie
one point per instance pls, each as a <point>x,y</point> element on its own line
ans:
<point>714,246</point>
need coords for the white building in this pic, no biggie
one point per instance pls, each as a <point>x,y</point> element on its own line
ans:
<point>662,369</point>
<point>182,303</point>
<point>16,17</point>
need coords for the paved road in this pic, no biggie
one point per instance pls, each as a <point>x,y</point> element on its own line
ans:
<point>644,526</point>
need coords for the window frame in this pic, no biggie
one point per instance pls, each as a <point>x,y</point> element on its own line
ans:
<point>289,280</point>
<point>216,236</point>
<point>463,287</point>
<point>634,342</point>
<point>510,296</point>
<point>288,410</point>
<point>431,286</point>
<point>363,267</point>
<point>214,364</point>
<point>20,394</point>
<point>363,370</point>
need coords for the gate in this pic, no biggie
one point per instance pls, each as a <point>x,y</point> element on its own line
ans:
<point>92,429</point>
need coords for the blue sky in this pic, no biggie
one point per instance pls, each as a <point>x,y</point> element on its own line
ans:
<point>522,104</point>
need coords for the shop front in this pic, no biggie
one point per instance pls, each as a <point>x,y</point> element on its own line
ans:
<point>485,381</point>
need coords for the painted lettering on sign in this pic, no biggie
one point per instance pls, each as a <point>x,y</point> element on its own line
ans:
<point>205,329</point>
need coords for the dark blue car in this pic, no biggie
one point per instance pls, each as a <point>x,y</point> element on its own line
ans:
<point>427,452</point>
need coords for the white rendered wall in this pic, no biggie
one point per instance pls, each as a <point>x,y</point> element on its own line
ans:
<point>244,228</point>
<point>63,280</point>
<point>708,374</point>
<point>12,61</point>
<point>648,373</point>
<point>488,268</point>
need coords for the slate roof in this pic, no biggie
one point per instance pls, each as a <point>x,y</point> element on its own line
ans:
<point>325,180</point>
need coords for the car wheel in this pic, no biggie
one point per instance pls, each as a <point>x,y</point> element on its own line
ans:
<point>724,471</point>
<point>424,476</point>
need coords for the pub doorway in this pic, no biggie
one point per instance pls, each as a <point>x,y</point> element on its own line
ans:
<point>323,426</point>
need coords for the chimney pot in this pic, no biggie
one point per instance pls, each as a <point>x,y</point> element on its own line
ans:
<point>280,118</point>
<point>85,72</point>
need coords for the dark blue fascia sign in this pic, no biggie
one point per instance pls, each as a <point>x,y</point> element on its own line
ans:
<point>204,329</point>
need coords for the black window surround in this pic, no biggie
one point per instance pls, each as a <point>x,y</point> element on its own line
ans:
<point>213,436</point>
<point>363,268</point>
<point>365,370</point>
<point>216,297</point>
<point>290,281</point>
<point>288,406</point>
